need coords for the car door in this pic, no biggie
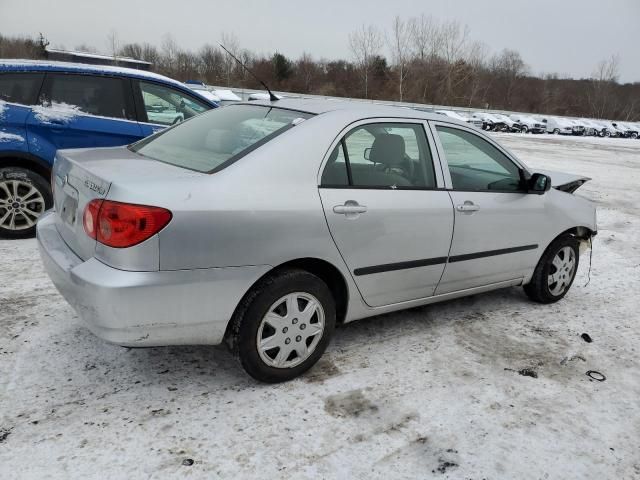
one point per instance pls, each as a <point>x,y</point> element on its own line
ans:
<point>160,106</point>
<point>84,111</point>
<point>498,225</point>
<point>387,210</point>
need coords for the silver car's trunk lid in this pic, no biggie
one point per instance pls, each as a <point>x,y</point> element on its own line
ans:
<point>74,186</point>
<point>86,174</point>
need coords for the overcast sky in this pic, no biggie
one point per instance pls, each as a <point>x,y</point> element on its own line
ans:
<point>568,37</point>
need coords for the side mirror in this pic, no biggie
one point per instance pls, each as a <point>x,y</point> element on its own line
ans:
<point>367,153</point>
<point>539,183</point>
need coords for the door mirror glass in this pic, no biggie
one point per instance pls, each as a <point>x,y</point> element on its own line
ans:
<point>539,183</point>
<point>367,153</point>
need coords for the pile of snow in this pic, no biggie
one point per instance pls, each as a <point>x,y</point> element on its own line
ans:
<point>10,137</point>
<point>56,113</point>
<point>2,108</point>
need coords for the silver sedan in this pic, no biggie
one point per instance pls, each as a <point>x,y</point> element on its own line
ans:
<point>267,224</point>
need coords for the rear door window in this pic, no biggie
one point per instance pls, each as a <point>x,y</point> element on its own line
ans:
<point>90,94</point>
<point>20,88</point>
<point>382,155</point>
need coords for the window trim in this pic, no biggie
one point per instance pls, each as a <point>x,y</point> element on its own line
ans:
<point>433,124</point>
<point>129,104</point>
<point>340,137</point>
<point>141,110</point>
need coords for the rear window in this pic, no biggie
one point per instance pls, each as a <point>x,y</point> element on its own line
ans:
<point>213,140</point>
<point>20,88</point>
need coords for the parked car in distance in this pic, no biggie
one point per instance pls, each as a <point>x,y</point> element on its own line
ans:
<point>476,122</point>
<point>511,125</point>
<point>265,224</point>
<point>47,106</point>
<point>226,97</point>
<point>529,124</point>
<point>489,122</point>
<point>559,126</point>
<point>203,91</point>
<point>628,130</point>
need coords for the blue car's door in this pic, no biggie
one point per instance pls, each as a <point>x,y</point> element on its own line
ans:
<point>82,111</point>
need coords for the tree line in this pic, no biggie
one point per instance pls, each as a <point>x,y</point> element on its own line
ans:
<point>419,60</point>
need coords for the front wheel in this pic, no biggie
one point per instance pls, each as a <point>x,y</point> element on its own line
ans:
<point>524,129</point>
<point>283,326</point>
<point>555,271</point>
<point>24,197</point>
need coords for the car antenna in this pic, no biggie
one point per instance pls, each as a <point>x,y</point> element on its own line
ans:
<point>272,97</point>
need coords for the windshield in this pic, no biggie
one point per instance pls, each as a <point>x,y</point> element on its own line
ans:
<point>212,141</point>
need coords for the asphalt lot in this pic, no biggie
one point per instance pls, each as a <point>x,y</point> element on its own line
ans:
<point>491,386</point>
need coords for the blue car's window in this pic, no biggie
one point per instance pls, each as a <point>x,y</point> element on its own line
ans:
<point>168,106</point>
<point>20,88</point>
<point>213,140</point>
<point>91,94</point>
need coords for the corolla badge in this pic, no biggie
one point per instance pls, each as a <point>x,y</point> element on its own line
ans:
<point>94,187</point>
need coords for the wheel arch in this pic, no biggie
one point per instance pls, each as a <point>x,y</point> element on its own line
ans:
<point>28,161</point>
<point>324,270</point>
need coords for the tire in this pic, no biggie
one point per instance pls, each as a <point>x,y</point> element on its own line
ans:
<point>634,135</point>
<point>524,129</point>
<point>539,289</point>
<point>556,131</point>
<point>271,295</point>
<point>24,197</point>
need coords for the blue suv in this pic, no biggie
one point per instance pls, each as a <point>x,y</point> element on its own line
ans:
<point>46,106</point>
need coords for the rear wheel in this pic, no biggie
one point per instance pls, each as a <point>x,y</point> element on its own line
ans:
<point>24,197</point>
<point>555,271</point>
<point>556,131</point>
<point>524,129</point>
<point>283,326</point>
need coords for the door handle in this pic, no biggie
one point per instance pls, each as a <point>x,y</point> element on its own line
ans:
<point>468,207</point>
<point>350,208</point>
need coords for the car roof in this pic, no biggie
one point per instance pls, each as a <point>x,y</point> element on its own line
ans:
<point>360,108</point>
<point>20,65</point>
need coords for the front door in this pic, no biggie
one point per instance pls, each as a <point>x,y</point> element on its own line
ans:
<point>497,224</point>
<point>386,212</point>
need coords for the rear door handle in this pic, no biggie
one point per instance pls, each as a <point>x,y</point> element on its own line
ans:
<point>350,208</point>
<point>468,207</point>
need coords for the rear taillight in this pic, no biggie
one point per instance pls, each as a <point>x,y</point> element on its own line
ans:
<point>121,225</point>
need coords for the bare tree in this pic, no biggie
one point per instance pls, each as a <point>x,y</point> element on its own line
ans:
<point>170,52</point>
<point>113,44</point>
<point>603,83</point>
<point>306,69</point>
<point>229,65</point>
<point>507,68</point>
<point>426,37</point>
<point>400,46</point>
<point>453,48</point>
<point>365,44</point>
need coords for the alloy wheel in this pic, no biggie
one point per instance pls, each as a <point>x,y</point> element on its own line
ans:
<point>21,204</point>
<point>562,271</point>
<point>291,330</point>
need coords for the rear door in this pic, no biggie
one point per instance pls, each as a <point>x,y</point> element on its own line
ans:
<point>159,106</point>
<point>84,111</point>
<point>387,210</point>
<point>498,225</point>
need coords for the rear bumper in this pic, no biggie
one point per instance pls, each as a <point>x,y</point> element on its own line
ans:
<point>183,307</point>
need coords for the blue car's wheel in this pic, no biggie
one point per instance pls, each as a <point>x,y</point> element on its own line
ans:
<point>24,197</point>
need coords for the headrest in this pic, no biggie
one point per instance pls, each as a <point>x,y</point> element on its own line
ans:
<point>220,141</point>
<point>387,149</point>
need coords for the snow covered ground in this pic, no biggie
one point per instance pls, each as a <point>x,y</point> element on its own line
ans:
<point>431,392</point>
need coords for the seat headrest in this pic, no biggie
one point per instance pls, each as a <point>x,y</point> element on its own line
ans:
<point>388,149</point>
<point>220,141</point>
